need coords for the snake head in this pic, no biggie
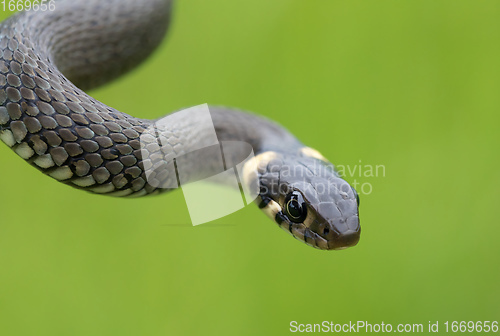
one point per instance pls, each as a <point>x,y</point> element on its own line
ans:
<point>308,199</point>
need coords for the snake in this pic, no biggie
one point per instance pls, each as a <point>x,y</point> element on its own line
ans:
<point>49,58</point>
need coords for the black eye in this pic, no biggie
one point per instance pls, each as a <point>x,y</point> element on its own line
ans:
<point>355,194</point>
<point>295,207</point>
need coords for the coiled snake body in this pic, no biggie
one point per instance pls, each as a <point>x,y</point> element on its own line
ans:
<point>48,58</point>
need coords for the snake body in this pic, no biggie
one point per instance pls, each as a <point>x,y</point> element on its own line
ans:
<point>48,59</point>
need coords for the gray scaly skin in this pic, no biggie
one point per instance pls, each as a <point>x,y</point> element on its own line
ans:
<point>48,58</point>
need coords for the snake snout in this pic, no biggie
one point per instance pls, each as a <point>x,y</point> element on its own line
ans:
<point>345,240</point>
<point>344,232</point>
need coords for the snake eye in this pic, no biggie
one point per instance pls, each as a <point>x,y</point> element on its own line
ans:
<point>295,207</point>
<point>356,194</point>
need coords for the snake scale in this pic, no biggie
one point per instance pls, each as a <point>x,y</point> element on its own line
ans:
<point>48,59</point>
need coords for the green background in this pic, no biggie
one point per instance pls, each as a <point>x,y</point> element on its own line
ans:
<point>411,85</point>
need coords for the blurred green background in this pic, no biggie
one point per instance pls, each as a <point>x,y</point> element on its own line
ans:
<point>411,85</point>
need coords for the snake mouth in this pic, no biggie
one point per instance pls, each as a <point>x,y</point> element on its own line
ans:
<point>344,241</point>
<point>313,232</point>
<point>333,242</point>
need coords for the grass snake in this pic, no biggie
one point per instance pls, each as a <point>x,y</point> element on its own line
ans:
<point>48,59</point>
